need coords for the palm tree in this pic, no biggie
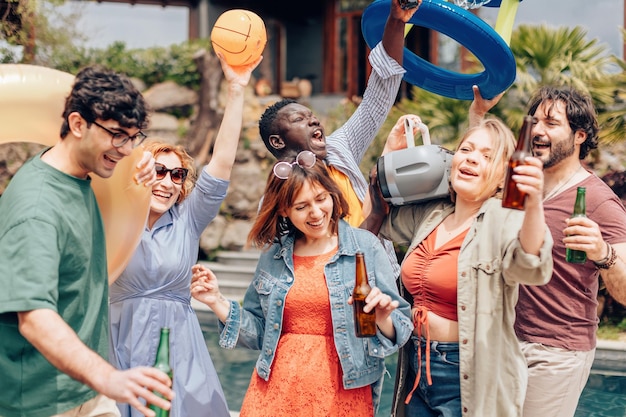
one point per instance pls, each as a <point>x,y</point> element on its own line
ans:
<point>564,57</point>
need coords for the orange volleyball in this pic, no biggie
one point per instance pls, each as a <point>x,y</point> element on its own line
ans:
<point>240,36</point>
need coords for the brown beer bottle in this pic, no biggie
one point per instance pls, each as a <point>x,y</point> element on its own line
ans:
<point>578,256</point>
<point>513,197</point>
<point>162,363</point>
<point>364,323</point>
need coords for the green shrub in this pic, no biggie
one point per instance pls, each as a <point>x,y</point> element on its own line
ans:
<point>151,65</point>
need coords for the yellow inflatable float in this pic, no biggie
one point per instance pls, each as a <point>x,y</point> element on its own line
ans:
<point>31,104</point>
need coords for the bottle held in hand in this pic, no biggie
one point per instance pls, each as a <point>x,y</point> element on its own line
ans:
<point>162,363</point>
<point>513,197</point>
<point>578,256</point>
<point>364,323</point>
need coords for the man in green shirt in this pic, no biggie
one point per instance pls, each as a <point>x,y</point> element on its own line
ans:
<point>53,270</point>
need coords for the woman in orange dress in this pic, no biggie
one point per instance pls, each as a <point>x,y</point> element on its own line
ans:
<point>297,310</point>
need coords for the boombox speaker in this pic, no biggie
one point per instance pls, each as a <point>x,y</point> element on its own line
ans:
<point>417,173</point>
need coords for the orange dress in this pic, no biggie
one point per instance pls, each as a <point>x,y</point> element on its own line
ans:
<point>306,375</point>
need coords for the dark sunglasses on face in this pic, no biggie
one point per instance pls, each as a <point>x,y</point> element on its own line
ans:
<point>178,175</point>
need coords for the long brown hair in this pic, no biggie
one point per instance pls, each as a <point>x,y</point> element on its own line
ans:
<point>279,196</point>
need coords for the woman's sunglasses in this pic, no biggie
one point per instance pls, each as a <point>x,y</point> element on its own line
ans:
<point>177,175</point>
<point>305,159</point>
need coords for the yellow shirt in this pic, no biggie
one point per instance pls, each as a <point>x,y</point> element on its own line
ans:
<point>355,216</point>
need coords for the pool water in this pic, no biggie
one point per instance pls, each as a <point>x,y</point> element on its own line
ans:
<point>603,396</point>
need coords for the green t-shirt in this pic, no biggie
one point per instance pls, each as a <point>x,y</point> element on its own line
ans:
<point>52,256</point>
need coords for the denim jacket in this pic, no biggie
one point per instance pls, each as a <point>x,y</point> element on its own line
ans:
<point>258,324</point>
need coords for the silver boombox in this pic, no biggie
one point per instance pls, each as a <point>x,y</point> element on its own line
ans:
<point>417,173</point>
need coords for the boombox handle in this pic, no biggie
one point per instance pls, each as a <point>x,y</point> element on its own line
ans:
<point>408,131</point>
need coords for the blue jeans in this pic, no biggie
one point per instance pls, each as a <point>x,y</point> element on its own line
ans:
<point>443,397</point>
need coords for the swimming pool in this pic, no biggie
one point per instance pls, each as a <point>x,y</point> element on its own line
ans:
<point>603,396</point>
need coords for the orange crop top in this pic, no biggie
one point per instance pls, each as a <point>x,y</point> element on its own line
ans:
<point>429,274</point>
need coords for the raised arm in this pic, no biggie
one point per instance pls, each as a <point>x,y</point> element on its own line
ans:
<point>225,148</point>
<point>529,179</point>
<point>393,35</point>
<point>481,106</point>
<point>375,208</point>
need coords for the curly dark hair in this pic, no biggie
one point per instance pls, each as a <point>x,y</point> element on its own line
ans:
<point>580,111</point>
<point>266,123</point>
<point>99,93</point>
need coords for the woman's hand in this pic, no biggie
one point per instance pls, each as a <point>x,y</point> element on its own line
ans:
<point>481,106</point>
<point>146,174</point>
<point>529,179</point>
<point>204,286</point>
<point>382,305</point>
<point>239,75</point>
<point>396,139</point>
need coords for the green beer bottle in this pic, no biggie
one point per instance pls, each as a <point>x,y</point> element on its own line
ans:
<point>162,363</point>
<point>578,256</point>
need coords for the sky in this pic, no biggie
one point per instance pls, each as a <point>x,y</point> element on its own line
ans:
<point>139,26</point>
<point>145,26</point>
<point>602,19</point>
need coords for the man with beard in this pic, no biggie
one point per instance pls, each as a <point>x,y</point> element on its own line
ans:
<point>288,128</point>
<point>556,323</point>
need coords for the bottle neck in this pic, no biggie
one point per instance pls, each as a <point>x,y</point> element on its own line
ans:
<point>524,139</point>
<point>580,207</point>
<point>163,352</point>
<point>361,273</point>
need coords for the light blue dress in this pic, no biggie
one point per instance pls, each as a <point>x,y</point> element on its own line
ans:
<point>153,292</point>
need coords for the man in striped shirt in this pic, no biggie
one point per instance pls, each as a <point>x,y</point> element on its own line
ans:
<point>287,127</point>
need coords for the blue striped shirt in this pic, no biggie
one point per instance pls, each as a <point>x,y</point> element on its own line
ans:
<point>347,145</point>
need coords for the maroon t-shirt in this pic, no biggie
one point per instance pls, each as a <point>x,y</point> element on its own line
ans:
<point>563,313</point>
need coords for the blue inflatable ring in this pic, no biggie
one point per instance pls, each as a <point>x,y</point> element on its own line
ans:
<point>460,25</point>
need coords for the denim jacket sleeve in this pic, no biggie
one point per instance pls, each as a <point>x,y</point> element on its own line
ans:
<point>245,325</point>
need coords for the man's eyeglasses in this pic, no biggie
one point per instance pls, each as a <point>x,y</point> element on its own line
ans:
<point>177,175</point>
<point>305,159</point>
<point>118,139</point>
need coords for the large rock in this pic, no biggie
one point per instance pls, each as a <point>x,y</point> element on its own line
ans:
<point>163,127</point>
<point>212,235</point>
<point>168,96</point>
<point>236,234</point>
